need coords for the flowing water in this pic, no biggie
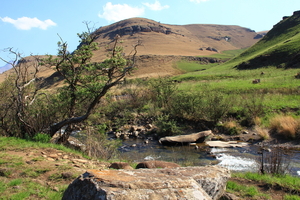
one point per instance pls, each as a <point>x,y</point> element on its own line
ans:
<point>236,159</point>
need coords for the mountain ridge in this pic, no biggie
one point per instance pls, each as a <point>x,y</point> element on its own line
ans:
<point>166,39</point>
<point>171,41</point>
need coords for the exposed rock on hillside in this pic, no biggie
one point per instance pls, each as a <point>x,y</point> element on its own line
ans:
<point>178,183</point>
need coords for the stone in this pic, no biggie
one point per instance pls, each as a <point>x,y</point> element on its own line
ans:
<point>228,196</point>
<point>80,160</point>
<point>186,139</point>
<point>149,126</point>
<point>120,165</point>
<point>190,183</point>
<point>67,175</point>
<point>54,156</point>
<point>222,144</point>
<point>156,164</point>
<point>50,159</point>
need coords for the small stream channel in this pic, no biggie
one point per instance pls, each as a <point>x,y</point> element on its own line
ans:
<point>240,159</point>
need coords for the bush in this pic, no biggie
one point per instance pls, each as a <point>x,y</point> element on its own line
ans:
<point>231,128</point>
<point>40,137</point>
<point>166,126</point>
<point>275,161</point>
<point>98,146</point>
<point>253,107</point>
<point>162,90</point>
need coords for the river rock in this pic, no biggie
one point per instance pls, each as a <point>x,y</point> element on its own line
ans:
<point>156,164</point>
<point>186,139</point>
<point>191,183</point>
<point>120,165</point>
<point>222,144</point>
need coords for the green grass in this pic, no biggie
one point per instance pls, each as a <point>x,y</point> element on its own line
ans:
<point>291,197</point>
<point>279,87</point>
<point>186,66</point>
<point>251,191</point>
<point>7,143</point>
<point>228,54</point>
<point>28,189</point>
<point>286,181</point>
<point>289,184</point>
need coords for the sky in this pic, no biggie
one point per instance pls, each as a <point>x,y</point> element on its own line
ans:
<point>35,26</point>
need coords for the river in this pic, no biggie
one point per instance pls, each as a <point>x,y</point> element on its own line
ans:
<point>240,159</point>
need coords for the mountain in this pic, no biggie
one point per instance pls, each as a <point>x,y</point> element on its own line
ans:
<point>5,68</point>
<point>166,39</point>
<point>163,44</point>
<point>280,47</point>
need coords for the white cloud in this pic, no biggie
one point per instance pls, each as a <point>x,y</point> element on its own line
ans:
<point>156,6</point>
<point>118,12</point>
<point>26,23</point>
<point>198,1</point>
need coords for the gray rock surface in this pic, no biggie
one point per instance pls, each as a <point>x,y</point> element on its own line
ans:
<point>190,183</point>
<point>185,139</point>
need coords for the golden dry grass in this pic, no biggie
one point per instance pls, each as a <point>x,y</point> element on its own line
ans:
<point>262,132</point>
<point>286,126</point>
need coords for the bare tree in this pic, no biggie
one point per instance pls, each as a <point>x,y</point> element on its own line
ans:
<point>19,91</point>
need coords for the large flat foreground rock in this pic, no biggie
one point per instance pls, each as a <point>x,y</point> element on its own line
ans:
<point>189,183</point>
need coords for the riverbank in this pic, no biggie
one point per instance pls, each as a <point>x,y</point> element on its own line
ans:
<point>30,170</point>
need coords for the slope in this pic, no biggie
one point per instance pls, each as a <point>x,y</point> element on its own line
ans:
<point>165,39</point>
<point>164,44</point>
<point>280,47</point>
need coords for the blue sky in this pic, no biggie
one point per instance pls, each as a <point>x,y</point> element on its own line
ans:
<point>32,26</point>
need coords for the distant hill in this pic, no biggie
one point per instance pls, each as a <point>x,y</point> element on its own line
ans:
<point>5,68</point>
<point>165,39</point>
<point>163,44</point>
<point>280,47</point>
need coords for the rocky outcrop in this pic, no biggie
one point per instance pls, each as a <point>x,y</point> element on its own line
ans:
<point>131,30</point>
<point>186,139</point>
<point>156,164</point>
<point>178,183</point>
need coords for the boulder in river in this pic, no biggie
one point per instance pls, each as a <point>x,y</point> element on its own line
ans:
<point>156,164</point>
<point>186,139</point>
<point>154,184</point>
<point>222,144</point>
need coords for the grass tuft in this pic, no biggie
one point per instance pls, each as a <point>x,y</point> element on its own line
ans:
<point>286,126</point>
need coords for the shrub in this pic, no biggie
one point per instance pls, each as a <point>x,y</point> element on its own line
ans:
<point>98,146</point>
<point>162,90</point>
<point>285,126</point>
<point>166,126</point>
<point>40,137</point>
<point>230,127</point>
<point>276,161</point>
<point>216,104</point>
<point>253,107</point>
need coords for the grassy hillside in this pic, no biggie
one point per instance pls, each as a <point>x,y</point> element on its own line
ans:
<point>279,48</point>
<point>274,60</point>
